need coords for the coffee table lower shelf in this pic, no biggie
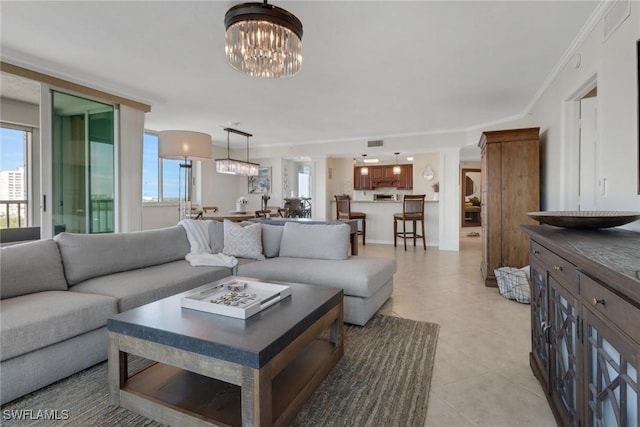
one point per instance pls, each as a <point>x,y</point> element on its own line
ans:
<point>190,389</point>
<point>219,402</point>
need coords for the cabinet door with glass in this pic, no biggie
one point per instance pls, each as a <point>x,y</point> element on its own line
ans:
<point>540,324</point>
<point>611,374</point>
<point>564,352</point>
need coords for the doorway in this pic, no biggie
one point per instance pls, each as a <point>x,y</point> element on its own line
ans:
<point>470,190</point>
<point>588,144</point>
<point>580,185</point>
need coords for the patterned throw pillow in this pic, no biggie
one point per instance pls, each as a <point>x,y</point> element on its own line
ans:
<point>513,283</point>
<point>244,242</point>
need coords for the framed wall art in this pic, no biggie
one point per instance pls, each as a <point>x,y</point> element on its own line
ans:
<point>260,184</point>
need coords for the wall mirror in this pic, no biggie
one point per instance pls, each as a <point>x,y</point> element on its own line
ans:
<point>471,190</point>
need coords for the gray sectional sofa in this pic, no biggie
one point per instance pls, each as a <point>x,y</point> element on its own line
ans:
<point>56,295</point>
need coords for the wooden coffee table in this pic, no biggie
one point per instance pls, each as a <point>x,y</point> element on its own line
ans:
<point>219,370</point>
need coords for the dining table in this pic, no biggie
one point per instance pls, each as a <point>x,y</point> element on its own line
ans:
<point>234,216</point>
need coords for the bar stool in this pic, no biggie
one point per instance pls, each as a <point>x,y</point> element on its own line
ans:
<point>343,211</point>
<point>412,210</point>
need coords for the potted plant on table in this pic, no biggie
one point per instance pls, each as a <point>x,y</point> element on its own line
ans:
<point>265,200</point>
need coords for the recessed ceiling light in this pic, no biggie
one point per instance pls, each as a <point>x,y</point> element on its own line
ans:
<point>410,159</point>
<point>371,160</point>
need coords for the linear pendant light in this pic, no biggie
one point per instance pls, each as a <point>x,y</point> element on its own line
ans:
<point>237,167</point>
<point>364,170</point>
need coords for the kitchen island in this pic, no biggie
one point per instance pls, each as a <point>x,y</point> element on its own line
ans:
<point>380,219</point>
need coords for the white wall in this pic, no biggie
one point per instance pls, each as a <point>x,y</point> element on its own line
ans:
<point>339,176</point>
<point>613,64</point>
<point>421,185</point>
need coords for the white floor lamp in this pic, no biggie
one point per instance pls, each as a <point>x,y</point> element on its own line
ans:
<point>187,146</point>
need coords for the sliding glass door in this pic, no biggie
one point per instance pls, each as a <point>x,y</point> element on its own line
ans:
<point>83,158</point>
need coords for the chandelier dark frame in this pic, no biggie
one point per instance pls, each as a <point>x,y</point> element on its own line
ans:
<point>263,12</point>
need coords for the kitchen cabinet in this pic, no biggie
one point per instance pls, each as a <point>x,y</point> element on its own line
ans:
<point>405,180</point>
<point>377,173</point>
<point>361,182</point>
<point>585,323</point>
<point>383,176</point>
<point>510,187</point>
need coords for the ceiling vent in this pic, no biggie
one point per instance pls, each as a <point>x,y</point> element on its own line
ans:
<point>617,13</point>
<point>376,143</point>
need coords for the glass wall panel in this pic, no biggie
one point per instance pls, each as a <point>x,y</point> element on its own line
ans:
<point>83,165</point>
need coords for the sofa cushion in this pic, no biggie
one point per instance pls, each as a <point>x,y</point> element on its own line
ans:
<point>216,236</point>
<point>319,241</point>
<point>137,287</point>
<point>357,276</point>
<point>34,321</point>
<point>243,240</point>
<point>30,267</point>
<point>93,255</point>
<point>271,238</point>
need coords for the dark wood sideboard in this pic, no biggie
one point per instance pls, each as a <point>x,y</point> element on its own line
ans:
<point>585,323</point>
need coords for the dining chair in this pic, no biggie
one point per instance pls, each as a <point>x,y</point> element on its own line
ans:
<point>412,211</point>
<point>343,211</point>
<point>263,213</point>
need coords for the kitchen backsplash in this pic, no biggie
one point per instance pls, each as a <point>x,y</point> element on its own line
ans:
<point>368,194</point>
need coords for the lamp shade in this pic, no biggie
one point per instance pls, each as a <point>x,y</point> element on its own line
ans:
<point>184,145</point>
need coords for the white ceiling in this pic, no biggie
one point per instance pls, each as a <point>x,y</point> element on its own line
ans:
<point>370,70</point>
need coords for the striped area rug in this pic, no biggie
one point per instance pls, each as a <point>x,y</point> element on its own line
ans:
<point>383,379</point>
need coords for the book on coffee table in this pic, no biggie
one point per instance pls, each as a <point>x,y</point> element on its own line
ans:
<point>235,297</point>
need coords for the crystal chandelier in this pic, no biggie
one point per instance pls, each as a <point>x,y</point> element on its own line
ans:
<point>263,40</point>
<point>237,167</point>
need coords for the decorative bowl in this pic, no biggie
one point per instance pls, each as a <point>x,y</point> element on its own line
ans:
<point>585,219</point>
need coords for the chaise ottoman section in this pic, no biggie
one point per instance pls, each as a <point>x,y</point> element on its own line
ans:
<point>367,282</point>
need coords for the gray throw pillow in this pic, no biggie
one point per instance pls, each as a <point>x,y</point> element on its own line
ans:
<point>216,236</point>
<point>319,241</point>
<point>271,238</point>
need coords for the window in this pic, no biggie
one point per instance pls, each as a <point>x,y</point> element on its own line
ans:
<point>15,143</point>
<point>304,180</point>
<point>160,177</point>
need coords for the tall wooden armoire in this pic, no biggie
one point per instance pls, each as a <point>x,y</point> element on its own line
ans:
<point>510,189</point>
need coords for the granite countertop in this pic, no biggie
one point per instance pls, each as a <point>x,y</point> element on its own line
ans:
<point>611,255</point>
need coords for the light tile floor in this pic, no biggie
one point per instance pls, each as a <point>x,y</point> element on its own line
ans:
<point>481,375</point>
